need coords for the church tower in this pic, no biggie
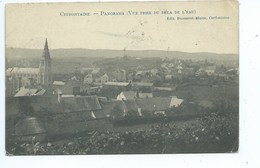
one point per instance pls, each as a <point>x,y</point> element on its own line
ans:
<point>45,75</point>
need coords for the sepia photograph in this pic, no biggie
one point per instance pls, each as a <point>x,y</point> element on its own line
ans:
<point>94,78</point>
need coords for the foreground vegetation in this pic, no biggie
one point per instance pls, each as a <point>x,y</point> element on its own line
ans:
<point>213,133</point>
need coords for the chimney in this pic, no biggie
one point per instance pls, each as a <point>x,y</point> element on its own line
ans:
<point>59,97</point>
<point>137,94</point>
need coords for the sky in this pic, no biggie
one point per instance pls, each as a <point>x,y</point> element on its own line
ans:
<point>27,26</point>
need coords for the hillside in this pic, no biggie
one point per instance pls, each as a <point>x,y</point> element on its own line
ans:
<point>16,53</point>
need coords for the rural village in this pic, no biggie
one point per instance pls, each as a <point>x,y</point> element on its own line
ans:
<point>121,104</point>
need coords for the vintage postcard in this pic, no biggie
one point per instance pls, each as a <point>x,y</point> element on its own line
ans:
<point>122,78</point>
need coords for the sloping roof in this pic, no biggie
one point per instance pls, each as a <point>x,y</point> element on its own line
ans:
<point>145,95</point>
<point>154,104</point>
<point>130,105</point>
<point>40,92</point>
<point>113,106</point>
<point>96,70</point>
<point>97,75</point>
<point>117,83</point>
<point>89,76</point>
<point>139,73</point>
<point>51,104</point>
<point>29,92</point>
<point>232,71</point>
<point>175,102</point>
<point>105,75</point>
<point>107,106</point>
<point>59,83</point>
<point>129,94</point>
<point>81,103</point>
<point>29,126</point>
<point>149,104</point>
<point>99,114</point>
<point>41,103</point>
<point>74,78</point>
<point>142,84</point>
<point>133,95</point>
<point>8,71</point>
<point>163,88</point>
<point>25,104</point>
<point>17,70</point>
<point>179,67</point>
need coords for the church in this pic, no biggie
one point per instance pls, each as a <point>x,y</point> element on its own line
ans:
<point>18,77</point>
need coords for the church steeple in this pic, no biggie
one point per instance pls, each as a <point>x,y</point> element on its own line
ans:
<point>45,74</point>
<point>46,53</point>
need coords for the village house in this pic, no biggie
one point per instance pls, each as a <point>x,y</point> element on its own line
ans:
<point>179,68</point>
<point>120,75</point>
<point>154,72</point>
<point>88,79</point>
<point>97,77</point>
<point>168,77</point>
<point>71,87</point>
<point>58,86</point>
<point>140,106</point>
<point>130,76</point>
<point>210,70</point>
<point>104,79</point>
<point>188,71</point>
<point>128,95</point>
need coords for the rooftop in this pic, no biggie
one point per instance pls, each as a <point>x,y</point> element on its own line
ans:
<point>17,70</point>
<point>117,83</point>
<point>29,92</point>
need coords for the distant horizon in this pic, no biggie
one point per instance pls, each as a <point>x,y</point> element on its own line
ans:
<point>121,50</point>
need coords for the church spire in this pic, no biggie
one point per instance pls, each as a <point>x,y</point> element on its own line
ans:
<point>45,74</point>
<point>46,53</point>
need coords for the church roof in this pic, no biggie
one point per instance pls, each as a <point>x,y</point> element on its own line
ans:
<point>17,70</point>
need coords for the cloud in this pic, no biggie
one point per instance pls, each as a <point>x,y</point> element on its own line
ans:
<point>133,37</point>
